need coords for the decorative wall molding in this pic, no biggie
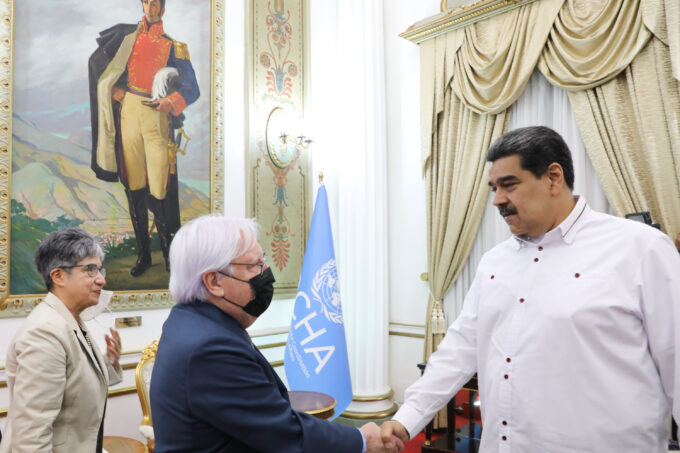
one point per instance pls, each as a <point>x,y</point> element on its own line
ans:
<point>406,330</point>
<point>278,161</point>
<point>458,17</point>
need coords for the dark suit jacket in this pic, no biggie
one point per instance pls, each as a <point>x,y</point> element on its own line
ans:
<point>213,391</point>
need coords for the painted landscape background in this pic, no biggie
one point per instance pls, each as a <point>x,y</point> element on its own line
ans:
<point>52,183</point>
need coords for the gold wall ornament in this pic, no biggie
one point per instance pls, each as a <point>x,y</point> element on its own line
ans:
<point>16,305</point>
<point>283,149</point>
<point>458,17</point>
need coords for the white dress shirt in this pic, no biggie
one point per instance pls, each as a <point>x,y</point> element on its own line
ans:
<point>573,338</point>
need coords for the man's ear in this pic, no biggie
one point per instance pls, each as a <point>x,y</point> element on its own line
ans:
<point>211,282</point>
<point>556,177</point>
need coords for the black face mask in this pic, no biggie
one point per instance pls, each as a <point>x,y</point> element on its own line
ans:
<point>263,291</point>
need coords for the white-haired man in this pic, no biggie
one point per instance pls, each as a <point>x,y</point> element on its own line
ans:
<point>211,389</point>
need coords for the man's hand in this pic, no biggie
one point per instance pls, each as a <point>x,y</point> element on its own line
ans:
<point>392,429</point>
<point>113,346</point>
<point>374,441</point>
<point>117,93</point>
<point>164,105</point>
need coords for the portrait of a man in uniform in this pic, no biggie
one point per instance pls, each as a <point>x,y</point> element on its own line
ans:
<point>140,83</point>
<point>111,130</point>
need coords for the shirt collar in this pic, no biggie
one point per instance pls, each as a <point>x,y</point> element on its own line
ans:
<point>155,29</point>
<point>565,231</point>
<point>575,220</point>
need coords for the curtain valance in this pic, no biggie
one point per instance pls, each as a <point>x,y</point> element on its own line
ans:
<point>576,44</point>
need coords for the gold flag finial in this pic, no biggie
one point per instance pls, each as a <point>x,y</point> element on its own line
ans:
<point>320,177</point>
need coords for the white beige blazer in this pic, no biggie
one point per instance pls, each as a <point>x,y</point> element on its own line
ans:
<point>58,386</point>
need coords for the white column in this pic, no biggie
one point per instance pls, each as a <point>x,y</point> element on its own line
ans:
<point>348,111</point>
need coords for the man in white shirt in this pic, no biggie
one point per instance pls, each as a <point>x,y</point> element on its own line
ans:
<point>572,324</point>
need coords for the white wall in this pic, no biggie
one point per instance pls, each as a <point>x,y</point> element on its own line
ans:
<point>406,193</point>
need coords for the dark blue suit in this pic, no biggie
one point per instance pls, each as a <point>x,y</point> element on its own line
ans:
<point>213,391</point>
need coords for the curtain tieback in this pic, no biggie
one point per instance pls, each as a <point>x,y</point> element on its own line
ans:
<point>438,320</point>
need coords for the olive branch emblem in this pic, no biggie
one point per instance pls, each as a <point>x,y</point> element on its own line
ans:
<point>326,278</point>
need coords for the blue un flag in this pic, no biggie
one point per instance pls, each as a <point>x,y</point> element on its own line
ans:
<point>316,350</point>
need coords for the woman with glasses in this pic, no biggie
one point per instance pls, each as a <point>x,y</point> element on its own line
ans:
<point>57,376</point>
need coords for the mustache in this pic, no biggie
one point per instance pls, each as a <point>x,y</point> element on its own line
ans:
<point>506,210</point>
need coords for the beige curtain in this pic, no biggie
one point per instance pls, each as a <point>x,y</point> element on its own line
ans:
<point>631,129</point>
<point>593,43</point>
<point>616,57</point>
<point>457,192</point>
<point>498,55</point>
<point>627,103</point>
<point>662,18</point>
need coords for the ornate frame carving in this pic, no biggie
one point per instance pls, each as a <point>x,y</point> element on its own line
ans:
<point>15,306</point>
<point>148,355</point>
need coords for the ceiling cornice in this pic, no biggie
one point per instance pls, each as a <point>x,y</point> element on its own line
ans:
<point>458,17</point>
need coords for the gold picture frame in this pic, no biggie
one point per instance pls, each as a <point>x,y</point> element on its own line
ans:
<point>12,305</point>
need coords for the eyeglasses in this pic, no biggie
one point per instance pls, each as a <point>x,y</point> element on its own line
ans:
<point>262,264</point>
<point>92,269</point>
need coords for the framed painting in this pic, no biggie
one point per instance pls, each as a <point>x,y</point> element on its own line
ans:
<point>72,74</point>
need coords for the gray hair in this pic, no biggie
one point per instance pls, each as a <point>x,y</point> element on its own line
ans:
<point>62,248</point>
<point>207,243</point>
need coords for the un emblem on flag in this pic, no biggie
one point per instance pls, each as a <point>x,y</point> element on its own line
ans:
<point>325,290</point>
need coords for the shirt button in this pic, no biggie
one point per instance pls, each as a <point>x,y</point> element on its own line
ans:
<point>492,277</point>
<point>504,438</point>
<point>577,275</point>
<point>505,423</point>
<point>521,301</point>
<point>535,260</point>
<point>540,248</point>
<point>505,376</point>
<point>508,360</point>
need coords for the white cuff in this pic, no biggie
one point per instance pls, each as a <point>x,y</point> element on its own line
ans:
<point>413,421</point>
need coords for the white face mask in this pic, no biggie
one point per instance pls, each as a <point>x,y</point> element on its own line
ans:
<point>92,312</point>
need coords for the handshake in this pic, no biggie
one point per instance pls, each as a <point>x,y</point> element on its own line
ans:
<point>388,438</point>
